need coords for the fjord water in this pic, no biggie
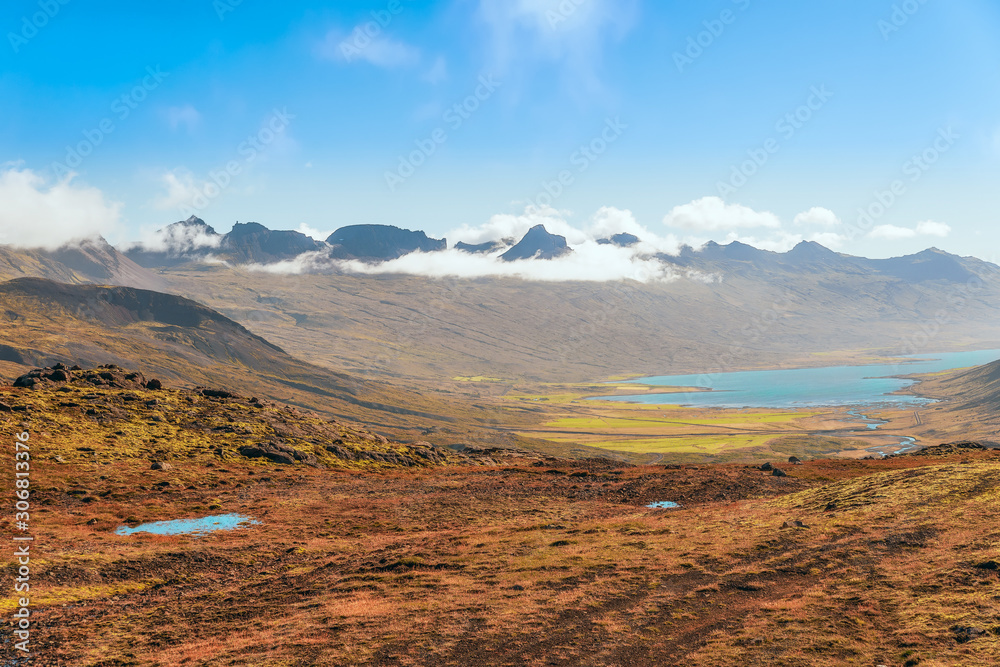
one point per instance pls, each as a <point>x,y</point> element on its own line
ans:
<point>807,387</point>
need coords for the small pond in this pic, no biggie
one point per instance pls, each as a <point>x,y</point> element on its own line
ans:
<point>202,526</point>
<point>664,505</point>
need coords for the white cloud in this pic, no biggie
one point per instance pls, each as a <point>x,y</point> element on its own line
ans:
<point>185,115</point>
<point>176,240</point>
<point>891,232</point>
<point>711,214</point>
<point>817,216</point>
<point>609,221</point>
<point>357,47</point>
<point>925,228</point>
<point>182,190</point>
<point>931,228</point>
<point>514,226</point>
<point>588,262</point>
<point>831,240</point>
<point>606,222</point>
<point>313,232</point>
<point>35,213</point>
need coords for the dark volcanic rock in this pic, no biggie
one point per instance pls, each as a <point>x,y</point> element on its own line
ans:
<point>537,244</point>
<point>778,472</point>
<point>794,460</point>
<point>766,467</point>
<point>381,242</point>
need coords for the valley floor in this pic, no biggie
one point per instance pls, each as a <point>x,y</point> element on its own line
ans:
<point>530,562</point>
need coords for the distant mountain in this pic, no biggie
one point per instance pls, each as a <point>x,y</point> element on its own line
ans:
<point>480,248</point>
<point>537,244</point>
<point>931,264</point>
<point>380,242</point>
<point>247,243</point>
<point>253,243</point>
<point>93,261</point>
<point>181,242</point>
<point>738,258</point>
<point>623,240</point>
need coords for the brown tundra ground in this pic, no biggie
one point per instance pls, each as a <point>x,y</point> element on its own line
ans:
<point>516,560</point>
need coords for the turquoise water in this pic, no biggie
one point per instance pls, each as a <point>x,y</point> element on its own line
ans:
<point>808,387</point>
<point>663,505</point>
<point>200,526</point>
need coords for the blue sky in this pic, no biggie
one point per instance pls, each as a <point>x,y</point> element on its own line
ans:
<point>308,123</point>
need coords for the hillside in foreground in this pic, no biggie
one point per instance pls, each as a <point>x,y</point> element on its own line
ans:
<point>526,560</point>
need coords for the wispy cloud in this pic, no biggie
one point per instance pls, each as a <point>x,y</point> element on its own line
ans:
<point>181,189</point>
<point>185,116</point>
<point>381,51</point>
<point>573,33</point>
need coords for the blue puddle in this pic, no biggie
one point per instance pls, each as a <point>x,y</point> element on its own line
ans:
<point>664,505</point>
<point>201,526</point>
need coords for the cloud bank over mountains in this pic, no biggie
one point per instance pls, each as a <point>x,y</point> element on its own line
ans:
<point>44,214</point>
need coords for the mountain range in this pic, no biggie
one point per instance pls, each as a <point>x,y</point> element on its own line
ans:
<point>736,305</point>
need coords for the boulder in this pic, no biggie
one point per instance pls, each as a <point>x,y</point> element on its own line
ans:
<point>160,465</point>
<point>767,467</point>
<point>278,452</point>
<point>794,460</point>
<point>778,472</point>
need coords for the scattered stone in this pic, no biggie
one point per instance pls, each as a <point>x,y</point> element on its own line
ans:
<point>795,460</point>
<point>794,524</point>
<point>60,459</point>
<point>778,472</point>
<point>160,465</point>
<point>92,522</point>
<point>988,565</point>
<point>154,384</point>
<point>766,467</point>
<point>560,543</point>
<point>517,587</point>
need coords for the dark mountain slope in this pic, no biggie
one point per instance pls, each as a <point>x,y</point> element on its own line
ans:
<point>537,243</point>
<point>94,261</point>
<point>43,323</point>
<point>253,243</point>
<point>381,242</point>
